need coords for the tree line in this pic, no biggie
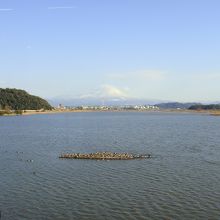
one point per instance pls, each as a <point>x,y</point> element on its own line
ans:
<point>205,107</point>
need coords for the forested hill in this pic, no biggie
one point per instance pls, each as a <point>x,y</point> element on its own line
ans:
<point>175,105</point>
<point>205,107</point>
<point>16,99</point>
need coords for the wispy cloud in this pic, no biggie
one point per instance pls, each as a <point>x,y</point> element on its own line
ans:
<point>6,9</point>
<point>205,77</point>
<point>150,74</point>
<point>61,7</point>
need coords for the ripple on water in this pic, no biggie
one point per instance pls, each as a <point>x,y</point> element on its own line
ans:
<point>180,181</point>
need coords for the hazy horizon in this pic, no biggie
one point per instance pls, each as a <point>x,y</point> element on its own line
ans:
<point>148,50</point>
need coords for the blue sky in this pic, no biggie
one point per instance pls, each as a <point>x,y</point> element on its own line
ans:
<point>151,49</point>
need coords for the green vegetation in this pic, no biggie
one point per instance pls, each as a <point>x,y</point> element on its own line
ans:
<point>18,112</point>
<point>2,113</point>
<point>16,99</point>
<point>205,107</point>
<point>175,105</point>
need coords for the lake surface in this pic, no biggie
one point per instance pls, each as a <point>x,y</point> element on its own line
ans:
<point>180,181</point>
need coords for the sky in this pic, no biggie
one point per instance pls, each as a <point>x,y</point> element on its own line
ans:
<point>146,49</point>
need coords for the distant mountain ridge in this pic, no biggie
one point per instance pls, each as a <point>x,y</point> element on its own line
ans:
<point>113,101</point>
<point>109,101</point>
<point>17,99</point>
<point>176,105</point>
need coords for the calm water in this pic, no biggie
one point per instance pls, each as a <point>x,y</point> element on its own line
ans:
<point>181,181</point>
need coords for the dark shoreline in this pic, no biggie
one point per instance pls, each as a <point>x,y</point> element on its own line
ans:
<point>181,111</point>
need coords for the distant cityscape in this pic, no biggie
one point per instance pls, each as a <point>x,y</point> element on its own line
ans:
<point>156,107</point>
<point>108,108</point>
